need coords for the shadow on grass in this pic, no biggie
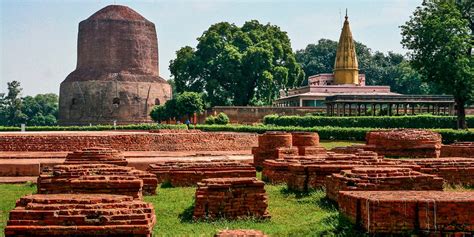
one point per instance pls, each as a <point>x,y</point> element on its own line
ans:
<point>166,184</point>
<point>341,226</point>
<point>327,204</point>
<point>187,215</point>
<point>298,194</point>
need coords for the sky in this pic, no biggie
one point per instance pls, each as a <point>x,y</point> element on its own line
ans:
<point>38,38</point>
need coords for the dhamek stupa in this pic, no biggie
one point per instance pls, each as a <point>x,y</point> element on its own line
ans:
<point>117,76</point>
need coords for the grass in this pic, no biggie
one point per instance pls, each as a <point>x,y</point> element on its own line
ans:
<point>293,214</point>
<point>331,144</point>
<point>9,193</point>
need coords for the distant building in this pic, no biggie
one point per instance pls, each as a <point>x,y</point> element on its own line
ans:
<point>117,77</point>
<point>344,92</point>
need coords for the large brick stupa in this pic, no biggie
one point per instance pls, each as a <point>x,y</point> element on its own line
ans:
<point>117,76</point>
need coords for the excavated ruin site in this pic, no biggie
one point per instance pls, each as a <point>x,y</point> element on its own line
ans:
<point>93,183</point>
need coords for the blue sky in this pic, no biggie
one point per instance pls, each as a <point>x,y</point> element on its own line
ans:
<point>38,38</point>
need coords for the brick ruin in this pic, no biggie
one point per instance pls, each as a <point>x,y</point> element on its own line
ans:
<point>240,233</point>
<point>96,155</point>
<point>455,171</point>
<point>458,149</point>
<point>88,215</point>
<point>413,143</point>
<point>127,141</point>
<point>430,213</point>
<point>276,145</point>
<point>230,198</point>
<point>312,174</point>
<point>379,179</point>
<point>272,145</point>
<point>97,178</point>
<point>189,173</point>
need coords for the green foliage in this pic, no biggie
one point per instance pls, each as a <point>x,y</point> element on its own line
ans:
<point>381,69</point>
<point>419,121</point>
<point>39,110</point>
<point>439,37</point>
<point>221,119</point>
<point>235,65</point>
<point>184,104</point>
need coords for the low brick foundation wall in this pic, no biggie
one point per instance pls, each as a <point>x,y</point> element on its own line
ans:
<point>380,179</point>
<point>240,233</point>
<point>312,174</point>
<point>455,171</point>
<point>127,141</point>
<point>97,215</point>
<point>431,213</point>
<point>458,149</point>
<point>230,198</point>
<point>97,178</point>
<point>404,143</point>
<point>96,155</point>
<point>189,173</point>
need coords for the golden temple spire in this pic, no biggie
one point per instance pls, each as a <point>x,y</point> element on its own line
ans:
<point>346,68</point>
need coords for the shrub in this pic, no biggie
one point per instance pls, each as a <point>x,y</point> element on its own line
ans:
<point>222,119</point>
<point>210,120</point>
<point>420,121</point>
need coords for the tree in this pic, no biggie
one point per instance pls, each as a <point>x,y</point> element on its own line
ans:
<point>39,110</point>
<point>188,103</point>
<point>440,42</point>
<point>234,65</point>
<point>184,104</point>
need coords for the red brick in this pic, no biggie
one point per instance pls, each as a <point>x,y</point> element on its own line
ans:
<point>240,233</point>
<point>230,198</point>
<point>458,149</point>
<point>432,213</point>
<point>80,215</point>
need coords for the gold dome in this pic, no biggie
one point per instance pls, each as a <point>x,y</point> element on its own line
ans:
<point>346,68</point>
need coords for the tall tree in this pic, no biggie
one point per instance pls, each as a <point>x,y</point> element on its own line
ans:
<point>235,65</point>
<point>440,40</point>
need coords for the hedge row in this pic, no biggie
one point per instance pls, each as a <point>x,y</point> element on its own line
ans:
<point>96,127</point>
<point>333,133</point>
<point>419,121</point>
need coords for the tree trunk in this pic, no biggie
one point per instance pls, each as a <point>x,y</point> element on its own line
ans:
<point>461,114</point>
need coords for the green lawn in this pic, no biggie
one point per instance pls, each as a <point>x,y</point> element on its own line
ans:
<point>292,214</point>
<point>331,144</point>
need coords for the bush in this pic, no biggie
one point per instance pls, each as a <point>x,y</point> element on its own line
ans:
<point>420,121</point>
<point>210,120</point>
<point>222,119</point>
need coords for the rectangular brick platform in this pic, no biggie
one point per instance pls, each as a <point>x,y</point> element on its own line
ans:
<point>97,178</point>
<point>307,175</point>
<point>127,141</point>
<point>189,173</point>
<point>230,198</point>
<point>458,149</point>
<point>380,179</point>
<point>454,170</point>
<point>85,215</point>
<point>431,213</point>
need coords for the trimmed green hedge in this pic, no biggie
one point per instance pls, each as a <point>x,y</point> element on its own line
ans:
<point>333,133</point>
<point>419,121</point>
<point>96,127</point>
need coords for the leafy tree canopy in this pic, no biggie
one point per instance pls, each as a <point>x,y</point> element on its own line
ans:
<point>440,37</point>
<point>235,65</point>
<point>183,105</point>
<point>39,110</point>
